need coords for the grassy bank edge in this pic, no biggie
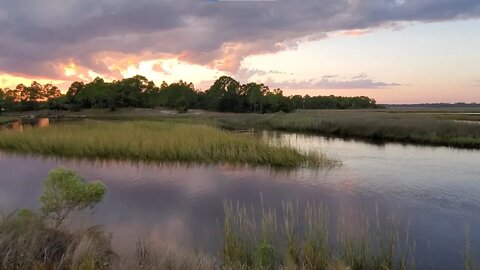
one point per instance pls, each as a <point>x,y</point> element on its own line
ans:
<point>6,120</point>
<point>154,141</point>
<point>413,127</point>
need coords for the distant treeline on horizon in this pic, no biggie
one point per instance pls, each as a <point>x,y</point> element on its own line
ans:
<point>225,95</point>
<point>435,105</point>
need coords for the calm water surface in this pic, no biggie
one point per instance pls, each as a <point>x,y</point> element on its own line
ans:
<point>433,191</point>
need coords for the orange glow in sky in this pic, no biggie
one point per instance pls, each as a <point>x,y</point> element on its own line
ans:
<point>418,63</point>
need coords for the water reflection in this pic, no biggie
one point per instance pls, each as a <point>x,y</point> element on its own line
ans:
<point>433,191</point>
<point>24,123</point>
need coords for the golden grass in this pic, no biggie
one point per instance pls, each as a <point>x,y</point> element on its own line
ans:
<point>155,141</point>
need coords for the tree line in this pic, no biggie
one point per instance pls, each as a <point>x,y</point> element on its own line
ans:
<point>225,95</point>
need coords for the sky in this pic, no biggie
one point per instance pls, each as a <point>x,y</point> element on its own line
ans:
<point>396,51</point>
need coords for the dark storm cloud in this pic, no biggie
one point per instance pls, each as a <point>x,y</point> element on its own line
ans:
<point>37,35</point>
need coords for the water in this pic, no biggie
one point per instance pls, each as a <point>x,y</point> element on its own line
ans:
<point>27,123</point>
<point>433,191</point>
<point>42,122</point>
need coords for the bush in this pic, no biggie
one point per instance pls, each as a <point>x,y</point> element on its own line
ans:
<point>29,241</point>
<point>65,192</point>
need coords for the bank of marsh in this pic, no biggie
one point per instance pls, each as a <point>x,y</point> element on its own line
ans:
<point>455,128</point>
<point>417,128</point>
<point>4,120</point>
<point>156,141</point>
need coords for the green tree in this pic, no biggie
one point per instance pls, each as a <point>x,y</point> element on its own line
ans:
<point>92,95</point>
<point>255,94</point>
<point>65,191</point>
<point>57,103</point>
<point>297,101</point>
<point>276,101</point>
<point>73,90</point>
<point>50,92</point>
<point>71,98</point>
<point>10,99</point>
<point>131,91</point>
<point>180,95</point>
<point>225,95</point>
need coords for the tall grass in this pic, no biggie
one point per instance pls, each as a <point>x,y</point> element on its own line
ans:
<point>290,240</point>
<point>26,242</point>
<point>429,127</point>
<point>253,238</point>
<point>468,256</point>
<point>148,257</point>
<point>155,141</point>
<point>399,127</point>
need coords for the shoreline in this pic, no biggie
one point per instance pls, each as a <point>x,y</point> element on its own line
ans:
<point>425,128</point>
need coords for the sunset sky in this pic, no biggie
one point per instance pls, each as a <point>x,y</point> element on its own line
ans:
<point>396,51</point>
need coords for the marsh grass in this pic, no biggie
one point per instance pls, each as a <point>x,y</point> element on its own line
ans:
<point>430,127</point>
<point>470,259</point>
<point>263,239</point>
<point>148,257</point>
<point>297,238</point>
<point>26,242</point>
<point>156,141</point>
<point>418,128</point>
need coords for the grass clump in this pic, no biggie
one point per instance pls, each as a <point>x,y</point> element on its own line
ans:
<point>27,242</point>
<point>155,141</point>
<point>147,257</point>
<point>258,241</point>
<point>248,245</point>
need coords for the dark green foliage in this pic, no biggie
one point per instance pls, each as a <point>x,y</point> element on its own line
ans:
<point>29,240</point>
<point>225,95</point>
<point>180,95</point>
<point>25,98</point>
<point>65,192</point>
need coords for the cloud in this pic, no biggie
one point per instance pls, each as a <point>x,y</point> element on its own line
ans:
<point>246,74</point>
<point>40,40</point>
<point>361,81</point>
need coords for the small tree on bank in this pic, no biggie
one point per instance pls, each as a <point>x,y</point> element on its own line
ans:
<point>65,191</point>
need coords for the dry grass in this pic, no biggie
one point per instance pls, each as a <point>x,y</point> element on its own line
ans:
<point>26,242</point>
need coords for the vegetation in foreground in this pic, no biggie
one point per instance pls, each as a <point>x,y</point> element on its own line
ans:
<point>30,240</point>
<point>262,239</point>
<point>253,239</point>
<point>157,142</point>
